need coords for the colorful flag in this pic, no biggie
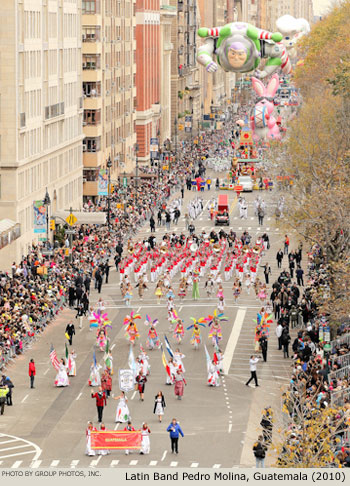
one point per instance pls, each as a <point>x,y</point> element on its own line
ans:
<point>131,360</point>
<point>94,358</point>
<point>167,345</point>
<point>207,355</point>
<point>165,363</point>
<point>54,360</point>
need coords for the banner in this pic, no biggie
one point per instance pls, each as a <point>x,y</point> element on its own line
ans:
<point>102,189</point>
<point>39,217</point>
<point>126,380</point>
<point>115,439</point>
<point>154,147</point>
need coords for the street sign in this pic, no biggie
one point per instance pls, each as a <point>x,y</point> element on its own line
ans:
<point>71,219</point>
<point>70,232</point>
<point>125,182</point>
<point>47,252</point>
<point>126,380</point>
<point>165,167</point>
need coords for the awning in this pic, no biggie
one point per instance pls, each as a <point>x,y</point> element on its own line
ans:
<point>6,224</point>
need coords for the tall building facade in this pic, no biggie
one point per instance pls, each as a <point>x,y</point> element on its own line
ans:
<point>41,111</point>
<point>185,72</point>
<point>148,78</point>
<point>109,77</point>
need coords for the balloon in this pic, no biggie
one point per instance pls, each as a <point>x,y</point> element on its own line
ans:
<point>240,123</point>
<point>239,47</point>
<point>292,29</point>
<point>263,124</point>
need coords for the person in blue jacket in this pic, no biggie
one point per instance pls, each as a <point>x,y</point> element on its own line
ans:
<point>175,430</point>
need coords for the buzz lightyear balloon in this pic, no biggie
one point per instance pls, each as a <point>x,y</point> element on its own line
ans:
<point>239,47</point>
<point>292,30</point>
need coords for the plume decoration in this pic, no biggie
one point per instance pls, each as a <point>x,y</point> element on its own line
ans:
<point>131,317</point>
<point>149,322</point>
<point>208,359</point>
<point>100,320</point>
<point>219,317</point>
<point>199,322</point>
<point>165,364</point>
<point>175,317</point>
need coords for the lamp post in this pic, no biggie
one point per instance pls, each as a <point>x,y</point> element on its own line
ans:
<point>47,202</point>
<point>109,165</point>
<point>137,172</point>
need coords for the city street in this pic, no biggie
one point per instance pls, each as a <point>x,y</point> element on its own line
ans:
<point>46,426</point>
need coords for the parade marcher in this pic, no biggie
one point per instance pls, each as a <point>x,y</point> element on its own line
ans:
<point>141,381</point>
<point>32,372</point>
<point>180,383</point>
<point>252,365</point>
<point>106,382</point>
<point>145,442</point>
<point>159,405</point>
<point>213,374</point>
<point>129,428</point>
<point>72,366</point>
<point>101,402</point>
<point>279,258</point>
<point>175,430</point>
<point>70,331</point>
<point>95,377</point>
<point>62,376</point>
<point>88,450</point>
<point>103,452</point>
<point>263,346</point>
<point>122,413</point>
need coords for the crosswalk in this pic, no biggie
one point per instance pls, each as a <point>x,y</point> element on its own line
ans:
<point>105,463</point>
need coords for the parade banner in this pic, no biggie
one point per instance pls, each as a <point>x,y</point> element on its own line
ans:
<point>39,217</point>
<point>115,439</point>
<point>126,380</point>
<point>102,189</point>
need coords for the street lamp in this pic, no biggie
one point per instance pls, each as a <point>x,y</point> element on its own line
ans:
<point>46,203</point>
<point>176,134</point>
<point>137,171</point>
<point>109,165</point>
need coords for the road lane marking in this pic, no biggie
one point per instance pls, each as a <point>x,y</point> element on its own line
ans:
<point>8,441</point>
<point>180,309</point>
<point>153,463</point>
<point>80,394</point>
<point>45,372</point>
<point>164,455</point>
<point>74,463</point>
<point>54,463</point>
<point>35,464</point>
<point>133,462</point>
<point>216,466</point>
<point>133,395</point>
<point>229,428</point>
<point>115,463</point>
<point>138,310</point>
<point>233,339</point>
<point>15,447</point>
<point>173,464</point>
<point>113,346</point>
<point>16,464</point>
<point>24,399</point>
<point>17,454</point>
<point>117,426</point>
<point>95,462</point>
<point>194,464</point>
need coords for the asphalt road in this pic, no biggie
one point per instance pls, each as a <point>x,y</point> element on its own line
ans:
<point>46,426</point>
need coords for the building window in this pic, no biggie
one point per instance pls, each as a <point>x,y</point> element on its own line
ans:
<point>92,117</point>
<point>91,89</point>
<point>91,34</point>
<point>92,144</point>
<point>91,7</point>
<point>91,61</point>
<point>90,175</point>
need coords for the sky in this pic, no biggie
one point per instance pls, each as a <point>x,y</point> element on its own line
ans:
<point>320,6</point>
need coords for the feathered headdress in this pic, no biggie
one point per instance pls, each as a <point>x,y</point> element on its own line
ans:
<point>149,322</point>
<point>218,317</point>
<point>199,322</point>
<point>128,319</point>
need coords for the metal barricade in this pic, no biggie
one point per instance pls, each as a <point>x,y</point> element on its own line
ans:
<point>343,360</point>
<point>338,398</point>
<point>339,341</point>
<point>339,374</point>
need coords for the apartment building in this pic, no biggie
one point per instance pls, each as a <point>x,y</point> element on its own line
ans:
<point>185,73</point>
<point>41,110</point>
<point>109,90</point>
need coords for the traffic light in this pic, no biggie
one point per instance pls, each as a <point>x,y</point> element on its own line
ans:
<point>52,224</point>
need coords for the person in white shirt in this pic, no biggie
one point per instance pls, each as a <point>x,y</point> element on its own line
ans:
<point>252,364</point>
<point>279,330</point>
